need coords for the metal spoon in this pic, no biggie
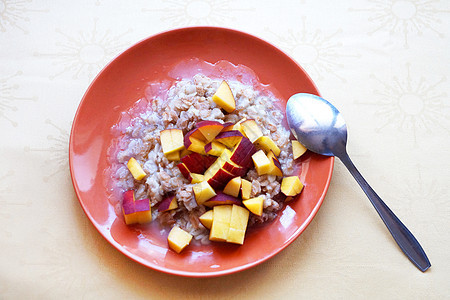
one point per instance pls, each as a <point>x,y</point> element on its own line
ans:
<point>320,127</point>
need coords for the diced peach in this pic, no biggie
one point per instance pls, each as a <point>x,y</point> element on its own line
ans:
<point>224,97</point>
<point>255,205</point>
<point>246,189</point>
<point>233,187</point>
<point>178,239</point>
<point>209,129</point>
<point>207,218</point>
<point>221,223</point>
<point>173,156</point>
<point>229,138</point>
<point>202,192</point>
<point>251,129</point>
<point>238,225</point>
<point>128,209</point>
<point>275,165</point>
<point>242,153</point>
<point>214,148</point>
<point>262,163</point>
<point>195,145</point>
<point>222,199</point>
<point>136,169</point>
<point>197,178</point>
<point>143,211</point>
<point>291,186</point>
<point>171,140</point>
<point>168,203</point>
<point>297,149</point>
<point>267,144</point>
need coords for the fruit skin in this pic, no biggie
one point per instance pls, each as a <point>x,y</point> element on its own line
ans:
<point>291,186</point>
<point>233,187</point>
<point>229,138</point>
<point>171,140</point>
<point>242,153</point>
<point>136,169</point>
<point>209,129</point>
<point>168,203</point>
<point>251,130</point>
<point>224,97</point>
<point>220,179</point>
<point>255,205</point>
<point>178,239</point>
<point>297,149</point>
<point>202,192</point>
<point>275,165</point>
<point>184,171</point>
<point>135,211</point>
<point>207,218</point>
<point>194,162</point>
<point>221,199</point>
<point>261,162</point>
<point>128,209</point>
<point>267,144</point>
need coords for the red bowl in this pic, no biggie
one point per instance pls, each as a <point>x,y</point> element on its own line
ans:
<point>121,83</point>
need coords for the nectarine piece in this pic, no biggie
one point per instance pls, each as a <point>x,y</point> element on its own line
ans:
<point>135,169</point>
<point>168,203</point>
<point>233,187</point>
<point>209,129</point>
<point>214,148</point>
<point>194,162</point>
<point>238,225</point>
<point>291,186</point>
<point>143,211</point>
<point>255,205</point>
<point>128,209</point>
<point>178,239</point>
<point>262,163</point>
<point>221,199</point>
<point>242,153</point>
<point>224,97</point>
<point>267,144</point>
<point>173,156</point>
<point>275,165</point>
<point>171,140</point>
<point>251,129</point>
<point>246,189</point>
<point>207,218</point>
<point>197,178</point>
<point>229,138</point>
<point>202,192</point>
<point>221,223</point>
<point>297,149</point>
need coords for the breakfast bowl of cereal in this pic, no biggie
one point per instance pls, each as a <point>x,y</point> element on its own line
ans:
<point>181,157</point>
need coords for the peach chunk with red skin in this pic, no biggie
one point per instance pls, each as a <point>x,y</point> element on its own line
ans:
<point>135,211</point>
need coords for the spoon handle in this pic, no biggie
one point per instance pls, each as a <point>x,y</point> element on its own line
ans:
<point>404,238</point>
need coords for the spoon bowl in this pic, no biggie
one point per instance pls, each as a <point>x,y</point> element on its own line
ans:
<point>320,127</point>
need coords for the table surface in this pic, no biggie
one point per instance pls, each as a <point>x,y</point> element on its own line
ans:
<point>384,64</point>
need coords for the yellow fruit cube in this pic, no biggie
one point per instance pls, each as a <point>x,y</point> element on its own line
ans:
<point>233,187</point>
<point>135,169</point>
<point>238,224</point>
<point>297,149</point>
<point>171,140</point>
<point>221,223</point>
<point>291,186</point>
<point>224,97</point>
<point>255,205</point>
<point>246,189</point>
<point>262,163</point>
<point>203,191</point>
<point>197,178</point>
<point>173,156</point>
<point>207,218</point>
<point>178,239</point>
<point>267,144</point>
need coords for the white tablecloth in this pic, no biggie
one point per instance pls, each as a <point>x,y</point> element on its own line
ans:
<point>383,63</point>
